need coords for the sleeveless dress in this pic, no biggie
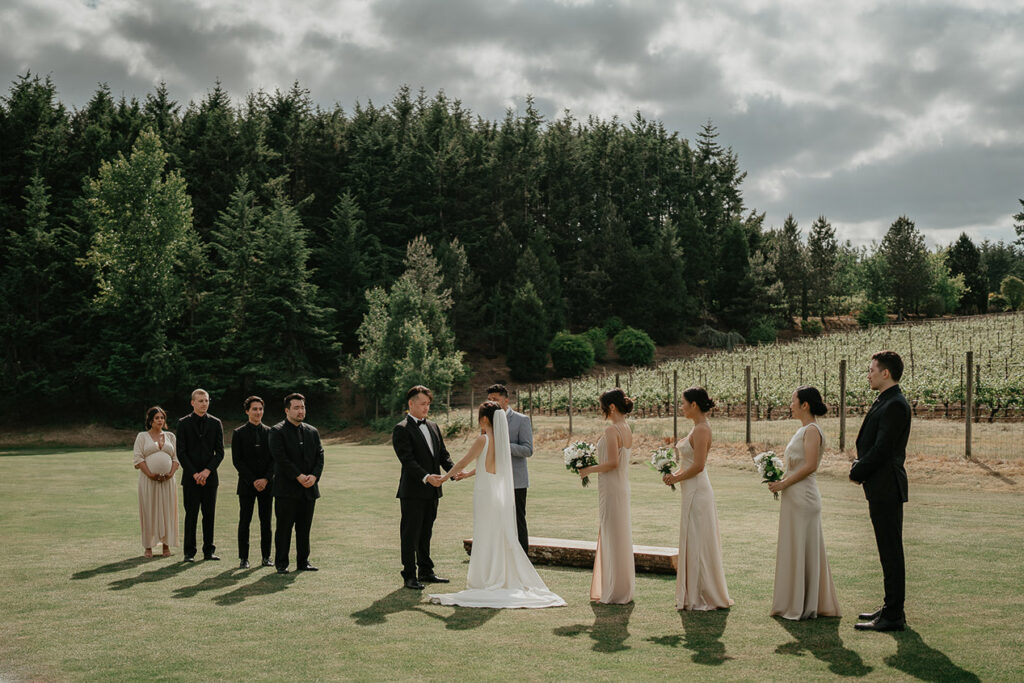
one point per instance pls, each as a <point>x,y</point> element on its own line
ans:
<point>158,500</point>
<point>614,572</point>
<point>803,581</point>
<point>500,573</point>
<point>700,578</point>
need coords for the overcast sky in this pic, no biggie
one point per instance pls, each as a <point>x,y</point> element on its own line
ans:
<point>861,110</point>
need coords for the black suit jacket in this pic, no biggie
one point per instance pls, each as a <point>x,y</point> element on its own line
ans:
<point>250,454</point>
<point>417,460</point>
<point>296,450</point>
<point>882,448</point>
<point>200,442</point>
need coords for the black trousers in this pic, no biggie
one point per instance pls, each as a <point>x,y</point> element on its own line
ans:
<point>297,512</point>
<point>418,517</point>
<point>196,498</point>
<point>887,519</point>
<point>265,499</point>
<point>524,534</point>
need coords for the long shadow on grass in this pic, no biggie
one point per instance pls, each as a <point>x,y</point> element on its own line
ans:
<point>702,633</point>
<point>222,580</point>
<point>152,576</point>
<point>610,629</point>
<point>821,638</point>
<point>269,584</point>
<point>111,568</point>
<point>396,601</point>
<point>916,658</point>
<point>463,618</point>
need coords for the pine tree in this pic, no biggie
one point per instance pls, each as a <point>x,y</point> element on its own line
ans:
<point>907,263</point>
<point>822,251</point>
<point>963,258</point>
<point>528,346</point>
<point>790,262</point>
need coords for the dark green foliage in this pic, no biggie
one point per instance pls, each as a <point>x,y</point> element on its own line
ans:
<point>529,339</point>
<point>1012,289</point>
<point>762,332</point>
<point>571,354</point>
<point>811,326</point>
<point>716,339</point>
<point>872,314</point>
<point>906,260</point>
<point>964,258</point>
<point>598,338</point>
<point>612,326</point>
<point>634,347</point>
<point>997,303</point>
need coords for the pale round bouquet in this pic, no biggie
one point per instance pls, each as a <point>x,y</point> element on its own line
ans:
<point>663,460</point>
<point>578,455</point>
<point>770,467</point>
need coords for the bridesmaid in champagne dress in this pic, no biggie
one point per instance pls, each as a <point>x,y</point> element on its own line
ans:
<point>700,579</point>
<point>614,573</point>
<point>158,496</point>
<point>803,582</point>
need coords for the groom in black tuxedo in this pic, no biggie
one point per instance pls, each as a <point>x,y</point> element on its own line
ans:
<point>881,452</point>
<point>200,451</point>
<point>420,448</point>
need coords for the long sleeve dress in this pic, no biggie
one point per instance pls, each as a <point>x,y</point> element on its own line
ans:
<point>158,500</point>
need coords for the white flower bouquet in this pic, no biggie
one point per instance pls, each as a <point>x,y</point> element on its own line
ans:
<point>770,467</point>
<point>579,455</point>
<point>663,460</point>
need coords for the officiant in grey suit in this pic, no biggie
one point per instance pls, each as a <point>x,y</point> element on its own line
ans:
<point>520,434</point>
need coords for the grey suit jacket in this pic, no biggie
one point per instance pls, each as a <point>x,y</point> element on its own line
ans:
<point>520,434</point>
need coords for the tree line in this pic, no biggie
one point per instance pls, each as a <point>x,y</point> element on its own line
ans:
<point>272,244</point>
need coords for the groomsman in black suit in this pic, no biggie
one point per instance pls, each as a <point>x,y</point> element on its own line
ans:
<point>250,453</point>
<point>881,452</point>
<point>200,441</point>
<point>298,463</point>
<point>418,444</point>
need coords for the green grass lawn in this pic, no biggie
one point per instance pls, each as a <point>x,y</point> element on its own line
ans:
<point>77,601</point>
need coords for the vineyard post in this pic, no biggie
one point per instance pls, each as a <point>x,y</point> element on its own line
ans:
<point>472,402</point>
<point>617,385</point>
<point>970,404</point>
<point>570,409</point>
<point>531,404</point>
<point>675,403</point>
<point>842,405</point>
<point>746,375</point>
<point>551,404</point>
<point>448,401</point>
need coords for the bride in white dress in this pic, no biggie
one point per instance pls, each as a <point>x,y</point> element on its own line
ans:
<point>500,573</point>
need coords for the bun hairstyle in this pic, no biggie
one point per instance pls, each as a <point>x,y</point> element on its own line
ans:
<point>487,409</point>
<point>616,397</point>
<point>699,395</point>
<point>812,397</point>
<point>152,413</point>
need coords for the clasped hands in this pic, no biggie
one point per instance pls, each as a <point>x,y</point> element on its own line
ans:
<point>201,477</point>
<point>436,480</point>
<point>307,480</point>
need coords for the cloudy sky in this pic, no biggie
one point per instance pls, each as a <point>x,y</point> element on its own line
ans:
<point>861,110</point>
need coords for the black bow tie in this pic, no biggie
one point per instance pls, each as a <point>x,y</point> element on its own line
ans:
<point>420,423</point>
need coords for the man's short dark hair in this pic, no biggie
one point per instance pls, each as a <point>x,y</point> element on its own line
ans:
<point>497,389</point>
<point>891,361</point>
<point>293,397</point>
<point>254,399</point>
<point>419,389</point>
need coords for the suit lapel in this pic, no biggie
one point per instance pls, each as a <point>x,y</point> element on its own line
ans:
<point>411,425</point>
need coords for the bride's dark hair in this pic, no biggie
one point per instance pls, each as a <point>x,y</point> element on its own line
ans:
<point>487,409</point>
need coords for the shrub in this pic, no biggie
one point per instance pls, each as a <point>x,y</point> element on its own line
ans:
<point>934,305</point>
<point>763,332</point>
<point>872,314</point>
<point>1012,287</point>
<point>599,340</point>
<point>997,303</point>
<point>716,339</point>
<point>812,326</point>
<point>613,325</point>
<point>571,354</point>
<point>634,347</point>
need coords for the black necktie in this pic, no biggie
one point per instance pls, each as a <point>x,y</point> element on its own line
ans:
<point>420,423</point>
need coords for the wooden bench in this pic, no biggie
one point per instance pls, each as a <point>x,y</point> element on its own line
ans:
<point>570,553</point>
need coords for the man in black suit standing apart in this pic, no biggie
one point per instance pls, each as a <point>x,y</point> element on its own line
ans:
<point>881,452</point>
<point>298,463</point>
<point>250,453</point>
<point>200,440</point>
<point>418,444</point>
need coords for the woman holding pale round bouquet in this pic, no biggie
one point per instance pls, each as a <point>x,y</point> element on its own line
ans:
<point>803,582</point>
<point>156,462</point>
<point>614,572</point>
<point>700,578</point>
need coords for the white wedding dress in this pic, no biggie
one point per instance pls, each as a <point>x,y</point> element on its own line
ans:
<point>500,573</point>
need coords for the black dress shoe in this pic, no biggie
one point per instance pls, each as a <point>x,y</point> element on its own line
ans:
<point>211,557</point>
<point>282,570</point>
<point>432,578</point>
<point>870,616</point>
<point>189,558</point>
<point>308,568</point>
<point>882,624</point>
<point>267,562</point>
<point>243,564</point>
<point>414,584</point>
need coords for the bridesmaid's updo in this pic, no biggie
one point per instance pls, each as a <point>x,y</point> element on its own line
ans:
<point>152,413</point>
<point>487,409</point>
<point>699,395</point>
<point>810,395</point>
<point>616,397</point>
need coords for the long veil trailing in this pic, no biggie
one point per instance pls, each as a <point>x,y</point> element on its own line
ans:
<point>500,573</point>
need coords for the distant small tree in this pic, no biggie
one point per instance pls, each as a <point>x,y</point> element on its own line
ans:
<point>634,347</point>
<point>907,262</point>
<point>528,347</point>
<point>571,354</point>
<point>822,254</point>
<point>1012,288</point>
